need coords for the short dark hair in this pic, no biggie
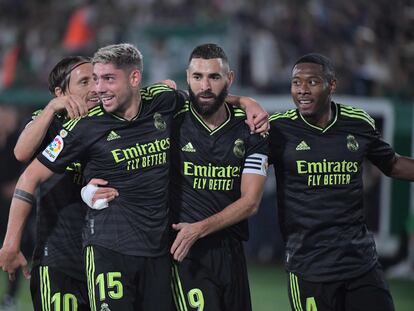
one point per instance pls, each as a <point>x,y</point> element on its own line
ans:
<point>60,74</point>
<point>325,62</point>
<point>208,51</point>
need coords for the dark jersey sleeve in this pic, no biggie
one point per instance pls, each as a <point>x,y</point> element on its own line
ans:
<point>380,153</point>
<point>166,98</point>
<point>65,148</point>
<point>45,140</point>
<point>275,142</point>
<point>51,132</point>
<point>258,144</point>
<point>256,161</point>
<point>182,99</point>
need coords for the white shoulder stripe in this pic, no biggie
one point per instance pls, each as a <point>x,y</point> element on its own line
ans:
<point>256,164</point>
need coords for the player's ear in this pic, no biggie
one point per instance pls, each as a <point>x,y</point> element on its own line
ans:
<point>230,77</point>
<point>188,76</point>
<point>135,77</point>
<point>58,91</point>
<point>332,86</point>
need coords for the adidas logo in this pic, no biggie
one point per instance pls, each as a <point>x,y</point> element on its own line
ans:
<point>112,135</point>
<point>188,148</point>
<point>302,146</point>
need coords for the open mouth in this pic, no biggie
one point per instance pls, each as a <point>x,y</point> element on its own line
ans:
<point>106,99</point>
<point>206,97</point>
<point>304,101</point>
<point>94,99</point>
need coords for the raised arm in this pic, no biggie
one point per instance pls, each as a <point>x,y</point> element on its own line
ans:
<point>32,136</point>
<point>252,186</point>
<point>257,117</point>
<point>11,257</point>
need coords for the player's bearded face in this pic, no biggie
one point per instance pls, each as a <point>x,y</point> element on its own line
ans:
<point>207,103</point>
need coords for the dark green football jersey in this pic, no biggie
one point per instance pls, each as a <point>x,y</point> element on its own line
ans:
<point>208,164</point>
<point>320,191</point>
<point>133,156</point>
<point>60,216</point>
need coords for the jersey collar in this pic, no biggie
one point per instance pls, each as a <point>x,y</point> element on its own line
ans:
<point>323,130</point>
<point>133,119</point>
<point>203,124</point>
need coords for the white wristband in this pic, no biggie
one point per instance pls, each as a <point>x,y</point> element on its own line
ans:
<point>87,194</point>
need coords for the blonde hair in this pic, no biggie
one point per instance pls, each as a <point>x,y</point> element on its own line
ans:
<point>123,55</point>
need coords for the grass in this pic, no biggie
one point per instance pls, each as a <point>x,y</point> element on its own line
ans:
<point>268,286</point>
<point>24,302</point>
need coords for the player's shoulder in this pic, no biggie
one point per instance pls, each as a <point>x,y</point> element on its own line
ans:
<point>150,92</point>
<point>159,98</point>
<point>184,109</point>
<point>288,115</point>
<point>237,113</point>
<point>57,121</point>
<point>355,114</point>
<point>32,117</point>
<point>238,123</point>
<point>240,127</point>
<point>93,114</point>
<point>36,113</point>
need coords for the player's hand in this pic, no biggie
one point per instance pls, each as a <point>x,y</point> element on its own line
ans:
<point>10,261</point>
<point>256,116</point>
<point>73,105</point>
<point>257,120</point>
<point>170,83</point>
<point>187,235</point>
<point>102,192</point>
<point>96,196</point>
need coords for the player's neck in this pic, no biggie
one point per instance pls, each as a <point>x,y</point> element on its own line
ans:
<point>132,109</point>
<point>323,119</point>
<point>216,119</point>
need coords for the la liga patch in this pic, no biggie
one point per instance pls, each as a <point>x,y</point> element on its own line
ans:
<point>55,147</point>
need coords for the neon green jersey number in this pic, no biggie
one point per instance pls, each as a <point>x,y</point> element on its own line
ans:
<point>196,299</point>
<point>116,289</point>
<point>114,286</point>
<point>70,303</point>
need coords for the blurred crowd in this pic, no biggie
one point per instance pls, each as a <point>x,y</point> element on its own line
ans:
<point>371,42</point>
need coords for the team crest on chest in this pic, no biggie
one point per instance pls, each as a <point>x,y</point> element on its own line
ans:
<point>159,122</point>
<point>352,143</point>
<point>239,149</point>
<point>105,307</point>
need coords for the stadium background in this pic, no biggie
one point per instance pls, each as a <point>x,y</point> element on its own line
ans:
<point>370,42</point>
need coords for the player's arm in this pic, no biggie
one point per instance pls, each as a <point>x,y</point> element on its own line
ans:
<point>252,186</point>
<point>257,117</point>
<point>11,257</point>
<point>32,136</point>
<point>402,168</point>
<point>168,82</point>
